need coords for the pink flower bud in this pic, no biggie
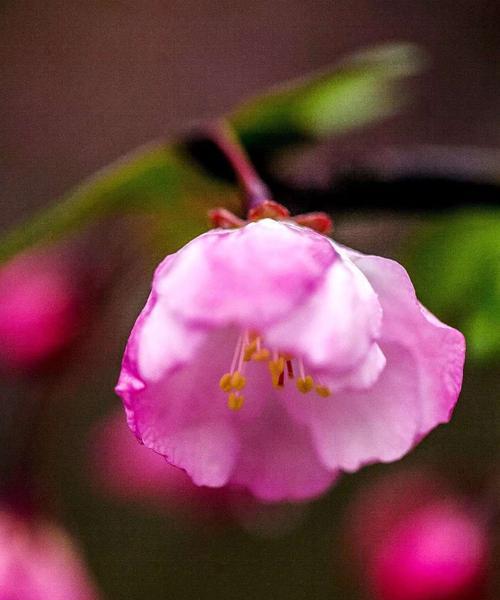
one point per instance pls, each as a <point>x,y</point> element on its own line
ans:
<point>38,310</point>
<point>439,553</point>
<point>38,562</point>
<point>416,540</point>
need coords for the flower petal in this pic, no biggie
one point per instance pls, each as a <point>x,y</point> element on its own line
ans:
<point>437,349</point>
<point>363,376</point>
<point>158,343</point>
<point>337,326</point>
<point>206,451</point>
<point>279,461</point>
<point>353,428</point>
<point>183,414</point>
<point>250,276</point>
<point>416,391</point>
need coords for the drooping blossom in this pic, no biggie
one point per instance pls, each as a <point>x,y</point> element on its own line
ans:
<point>38,309</point>
<point>415,539</point>
<point>123,469</point>
<point>272,358</point>
<point>38,561</point>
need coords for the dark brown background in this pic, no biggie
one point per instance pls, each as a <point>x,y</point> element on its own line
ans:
<point>83,82</point>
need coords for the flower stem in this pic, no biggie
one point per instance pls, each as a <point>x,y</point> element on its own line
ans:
<point>254,189</point>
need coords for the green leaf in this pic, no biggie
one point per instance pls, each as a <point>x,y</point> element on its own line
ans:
<point>162,178</point>
<point>360,90</point>
<point>455,266</point>
<point>154,178</point>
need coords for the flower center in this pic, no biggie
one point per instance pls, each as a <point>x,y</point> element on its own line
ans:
<point>250,347</point>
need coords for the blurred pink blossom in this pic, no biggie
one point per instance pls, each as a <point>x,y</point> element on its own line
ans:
<point>38,561</point>
<point>272,358</point>
<point>123,468</point>
<point>38,309</point>
<point>416,540</point>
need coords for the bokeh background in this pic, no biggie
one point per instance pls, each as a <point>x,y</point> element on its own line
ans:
<point>84,83</point>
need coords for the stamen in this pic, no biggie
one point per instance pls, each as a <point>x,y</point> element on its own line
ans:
<point>250,350</point>
<point>235,401</point>
<point>244,343</point>
<point>305,384</point>
<point>281,380</point>
<point>261,355</point>
<point>238,381</point>
<point>302,372</point>
<point>249,347</point>
<point>276,368</point>
<point>236,355</point>
<point>323,391</point>
<point>225,382</point>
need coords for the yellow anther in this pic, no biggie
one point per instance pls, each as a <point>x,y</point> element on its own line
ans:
<point>225,382</point>
<point>305,384</point>
<point>249,350</point>
<point>238,381</point>
<point>276,367</point>
<point>235,401</point>
<point>323,391</point>
<point>262,354</point>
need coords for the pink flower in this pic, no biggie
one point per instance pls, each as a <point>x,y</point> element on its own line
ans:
<point>272,358</point>
<point>38,310</point>
<point>416,540</point>
<point>38,561</point>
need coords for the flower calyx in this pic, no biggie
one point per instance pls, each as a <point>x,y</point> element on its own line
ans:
<point>269,209</point>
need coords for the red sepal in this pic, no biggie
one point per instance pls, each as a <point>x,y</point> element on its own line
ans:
<point>318,221</point>
<point>221,217</point>
<point>268,210</point>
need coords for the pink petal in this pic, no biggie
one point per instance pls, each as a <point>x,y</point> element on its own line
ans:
<point>415,392</point>
<point>362,376</point>
<point>279,461</point>
<point>336,327</point>
<point>157,345</point>
<point>437,349</point>
<point>160,342</point>
<point>353,428</point>
<point>251,276</point>
<point>206,451</point>
<point>183,414</point>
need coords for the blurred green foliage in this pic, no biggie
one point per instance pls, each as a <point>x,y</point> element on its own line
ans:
<point>155,178</point>
<point>455,265</point>
<point>364,88</point>
<point>163,178</point>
